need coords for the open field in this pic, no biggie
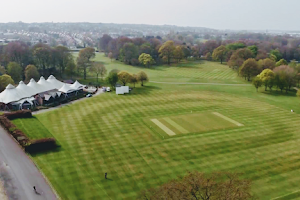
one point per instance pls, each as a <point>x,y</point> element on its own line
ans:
<point>192,71</point>
<point>110,133</point>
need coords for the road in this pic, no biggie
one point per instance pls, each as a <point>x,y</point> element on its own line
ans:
<point>191,83</point>
<point>21,173</point>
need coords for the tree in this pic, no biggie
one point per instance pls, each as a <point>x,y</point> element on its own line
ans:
<point>15,71</point>
<point>219,53</point>
<point>112,78</point>
<point>134,79</point>
<point>267,76</point>
<point>195,185</point>
<point>83,60</point>
<point>2,70</point>
<point>208,56</point>
<point>284,77</point>
<point>146,59</point>
<point>42,56</point>
<point>128,52</point>
<point>103,43</point>
<point>298,78</point>
<point>63,56</point>
<point>142,77</point>
<point>167,51</point>
<point>178,53</point>
<point>239,56</point>
<point>4,81</point>
<point>257,82</point>
<point>18,52</point>
<point>249,68</point>
<point>110,55</point>
<point>71,68</point>
<point>275,54</point>
<point>254,50</point>
<point>266,63</point>
<point>235,46</point>
<point>124,77</point>
<point>31,72</point>
<point>98,69</point>
<point>281,62</point>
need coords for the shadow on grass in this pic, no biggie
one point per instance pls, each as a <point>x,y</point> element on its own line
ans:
<point>46,151</point>
<point>291,93</point>
<point>144,90</point>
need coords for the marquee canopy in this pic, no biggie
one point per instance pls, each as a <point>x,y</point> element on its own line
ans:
<point>23,91</point>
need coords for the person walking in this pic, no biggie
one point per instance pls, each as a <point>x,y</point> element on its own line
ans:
<point>105,175</point>
<point>34,188</point>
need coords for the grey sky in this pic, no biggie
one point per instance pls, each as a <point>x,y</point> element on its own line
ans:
<point>219,14</point>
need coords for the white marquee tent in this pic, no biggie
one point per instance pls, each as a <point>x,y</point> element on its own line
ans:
<point>23,92</point>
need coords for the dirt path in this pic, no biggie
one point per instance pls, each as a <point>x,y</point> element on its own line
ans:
<point>19,174</point>
<point>187,83</point>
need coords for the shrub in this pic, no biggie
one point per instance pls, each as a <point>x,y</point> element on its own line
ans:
<point>41,145</point>
<point>18,114</point>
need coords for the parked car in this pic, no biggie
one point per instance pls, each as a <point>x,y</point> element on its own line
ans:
<point>108,89</point>
<point>89,95</point>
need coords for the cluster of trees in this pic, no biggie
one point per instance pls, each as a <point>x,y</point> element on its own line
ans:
<point>124,77</point>
<point>195,185</point>
<point>284,77</point>
<point>22,62</point>
<point>145,51</point>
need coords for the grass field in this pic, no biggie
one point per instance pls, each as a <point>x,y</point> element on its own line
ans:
<point>114,134</point>
<point>193,71</point>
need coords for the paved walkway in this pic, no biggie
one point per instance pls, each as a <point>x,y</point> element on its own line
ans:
<point>191,83</point>
<point>20,173</point>
<point>100,91</point>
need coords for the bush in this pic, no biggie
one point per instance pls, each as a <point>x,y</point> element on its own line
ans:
<point>18,114</point>
<point>12,129</point>
<point>41,145</point>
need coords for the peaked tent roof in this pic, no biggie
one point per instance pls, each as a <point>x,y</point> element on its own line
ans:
<point>10,94</point>
<point>66,89</point>
<point>36,88</point>
<point>56,83</point>
<point>45,84</point>
<point>77,85</point>
<point>24,90</point>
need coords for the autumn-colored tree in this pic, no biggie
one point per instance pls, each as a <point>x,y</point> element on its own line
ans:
<point>249,68</point>
<point>134,79</point>
<point>281,62</point>
<point>31,72</point>
<point>15,71</point>
<point>4,81</point>
<point>284,77</point>
<point>267,76</point>
<point>124,77</point>
<point>98,69</point>
<point>83,60</point>
<point>146,59</point>
<point>128,52</point>
<point>178,53</point>
<point>266,63</point>
<point>254,50</point>
<point>239,56</point>
<point>195,185</point>
<point>208,56</point>
<point>219,53</point>
<point>103,43</point>
<point>167,51</point>
<point>17,52</point>
<point>142,77</point>
<point>257,82</point>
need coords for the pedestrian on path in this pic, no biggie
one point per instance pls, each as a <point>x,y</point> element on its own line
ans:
<point>34,189</point>
<point>105,175</point>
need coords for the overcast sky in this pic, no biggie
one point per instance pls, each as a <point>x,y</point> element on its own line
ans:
<point>218,14</point>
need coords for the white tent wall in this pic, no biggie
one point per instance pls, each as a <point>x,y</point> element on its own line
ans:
<point>119,90</point>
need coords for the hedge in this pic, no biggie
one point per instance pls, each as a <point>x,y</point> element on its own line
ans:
<point>31,146</point>
<point>18,114</point>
